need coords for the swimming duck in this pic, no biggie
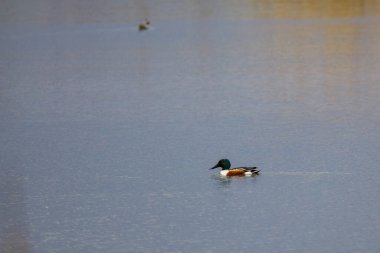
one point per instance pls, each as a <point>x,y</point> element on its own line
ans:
<point>239,171</point>
<point>145,25</point>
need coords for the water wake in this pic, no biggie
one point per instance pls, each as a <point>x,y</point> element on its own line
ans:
<point>304,173</point>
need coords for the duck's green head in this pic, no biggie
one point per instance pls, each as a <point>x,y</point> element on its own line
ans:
<point>224,164</point>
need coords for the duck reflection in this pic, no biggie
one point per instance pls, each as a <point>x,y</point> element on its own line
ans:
<point>221,181</point>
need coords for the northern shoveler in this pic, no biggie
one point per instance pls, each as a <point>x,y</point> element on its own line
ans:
<point>239,171</point>
<point>145,25</point>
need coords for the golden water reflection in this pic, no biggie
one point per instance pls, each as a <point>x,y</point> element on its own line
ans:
<point>325,67</point>
<point>315,9</point>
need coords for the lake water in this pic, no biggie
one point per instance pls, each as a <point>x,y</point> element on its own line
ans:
<point>107,133</point>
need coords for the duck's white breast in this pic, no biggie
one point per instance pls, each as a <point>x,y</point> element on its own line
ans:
<point>224,172</point>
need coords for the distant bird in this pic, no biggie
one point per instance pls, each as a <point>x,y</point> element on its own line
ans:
<point>145,25</point>
<point>239,171</point>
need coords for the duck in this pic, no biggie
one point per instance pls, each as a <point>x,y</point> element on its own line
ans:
<point>225,164</point>
<point>145,25</point>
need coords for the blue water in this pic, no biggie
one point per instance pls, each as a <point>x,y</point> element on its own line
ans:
<point>107,133</point>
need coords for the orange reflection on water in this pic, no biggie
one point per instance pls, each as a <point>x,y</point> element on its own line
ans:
<point>326,59</point>
<point>315,9</point>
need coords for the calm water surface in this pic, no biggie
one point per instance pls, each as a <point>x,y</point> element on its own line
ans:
<point>107,133</point>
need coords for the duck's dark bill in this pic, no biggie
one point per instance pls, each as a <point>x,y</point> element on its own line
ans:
<point>216,166</point>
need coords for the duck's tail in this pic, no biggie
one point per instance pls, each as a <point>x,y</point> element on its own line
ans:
<point>253,170</point>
